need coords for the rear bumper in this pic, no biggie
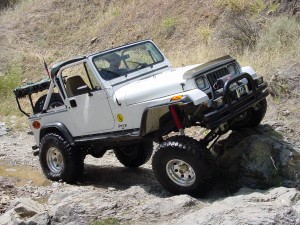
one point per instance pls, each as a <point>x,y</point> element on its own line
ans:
<point>232,108</point>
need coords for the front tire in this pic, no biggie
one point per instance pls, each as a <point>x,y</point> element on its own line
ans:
<point>59,160</point>
<point>134,155</point>
<point>181,166</point>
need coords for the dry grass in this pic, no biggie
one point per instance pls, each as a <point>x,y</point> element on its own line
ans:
<point>278,44</point>
<point>254,6</point>
<point>186,31</point>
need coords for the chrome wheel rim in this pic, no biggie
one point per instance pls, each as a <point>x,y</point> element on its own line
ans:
<point>181,172</point>
<point>54,160</point>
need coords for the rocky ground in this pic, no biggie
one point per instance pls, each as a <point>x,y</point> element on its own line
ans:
<point>109,193</point>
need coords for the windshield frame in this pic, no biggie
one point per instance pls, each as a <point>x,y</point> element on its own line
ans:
<point>154,52</point>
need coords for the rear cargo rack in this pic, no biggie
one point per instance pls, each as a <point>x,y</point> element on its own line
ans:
<point>28,90</point>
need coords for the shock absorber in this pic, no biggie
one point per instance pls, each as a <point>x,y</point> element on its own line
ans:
<point>176,119</point>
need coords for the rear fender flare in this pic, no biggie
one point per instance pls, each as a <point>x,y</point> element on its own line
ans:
<point>59,128</point>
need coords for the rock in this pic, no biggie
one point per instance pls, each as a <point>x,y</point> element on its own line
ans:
<point>285,112</point>
<point>253,207</point>
<point>64,214</point>
<point>285,83</point>
<point>4,199</point>
<point>139,199</point>
<point>77,205</point>
<point>93,40</point>
<point>257,160</point>
<point>20,210</point>
<point>3,129</point>
<point>168,206</point>
<point>57,197</point>
<point>39,219</point>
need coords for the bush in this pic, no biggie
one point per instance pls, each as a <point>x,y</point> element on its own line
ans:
<point>108,221</point>
<point>254,6</point>
<point>281,34</point>
<point>205,33</point>
<point>169,26</point>
<point>239,33</point>
<point>7,3</point>
<point>10,80</point>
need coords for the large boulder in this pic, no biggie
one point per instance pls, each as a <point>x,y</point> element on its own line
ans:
<point>258,158</point>
<point>20,210</point>
<point>248,206</point>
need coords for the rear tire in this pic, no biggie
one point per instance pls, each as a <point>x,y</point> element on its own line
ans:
<point>251,118</point>
<point>134,155</point>
<point>59,160</point>
<point>181,166</point>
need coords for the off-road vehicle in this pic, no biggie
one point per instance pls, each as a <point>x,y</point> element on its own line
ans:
<point>130,96</point>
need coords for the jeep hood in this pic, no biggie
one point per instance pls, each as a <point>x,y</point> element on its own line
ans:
<point>158,86</point>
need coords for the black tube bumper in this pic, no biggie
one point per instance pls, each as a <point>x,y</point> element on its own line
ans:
<point>233,108</point>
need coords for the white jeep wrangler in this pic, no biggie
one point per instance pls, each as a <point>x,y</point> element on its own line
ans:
<point>126,98</point>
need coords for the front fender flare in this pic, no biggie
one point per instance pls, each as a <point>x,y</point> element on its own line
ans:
<point>159,110</point>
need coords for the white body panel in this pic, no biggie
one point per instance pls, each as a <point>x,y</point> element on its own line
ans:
<point>91,115</point>
<point>249,70</point>
<point>159,86</point>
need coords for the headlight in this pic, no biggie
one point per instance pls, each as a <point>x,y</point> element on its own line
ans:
<point>232,69</point>
<point>202,83</point>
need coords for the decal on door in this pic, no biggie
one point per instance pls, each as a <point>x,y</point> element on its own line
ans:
<point>120,118</point>
<point>122,126</point>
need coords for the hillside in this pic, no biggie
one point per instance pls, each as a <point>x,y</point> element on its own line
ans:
<point>256,171</point>
<point>259,33</point>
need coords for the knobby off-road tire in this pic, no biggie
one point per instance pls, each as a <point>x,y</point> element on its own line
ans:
<point>55,101</point>
<point>59,160</point>
<point>252,117</point>
<point>180,164</point>
<point>134,155</point>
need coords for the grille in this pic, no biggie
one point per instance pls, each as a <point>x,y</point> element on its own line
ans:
<point>214,76</point>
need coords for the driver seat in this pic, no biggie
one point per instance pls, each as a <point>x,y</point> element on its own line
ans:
<point>72,85</point>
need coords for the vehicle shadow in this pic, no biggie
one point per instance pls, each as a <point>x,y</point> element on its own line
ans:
<point>121,178</point>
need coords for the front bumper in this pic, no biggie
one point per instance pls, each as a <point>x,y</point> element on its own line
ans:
<point>232,108</point>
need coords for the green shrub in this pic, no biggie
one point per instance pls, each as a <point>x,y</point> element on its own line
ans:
<point>169,22</point>
<point>108,221</point>
<point>273,7</point>
<point>116,11</point>
<point>205,33</point>
<point>255,6</point>
<point>239,33</point>
<point>281,34</point>
<point>7,3</point>
<point>169,26</point>
<point>10,80</point>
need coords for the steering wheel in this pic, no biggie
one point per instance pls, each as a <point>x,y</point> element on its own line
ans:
<point>139,65</point>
